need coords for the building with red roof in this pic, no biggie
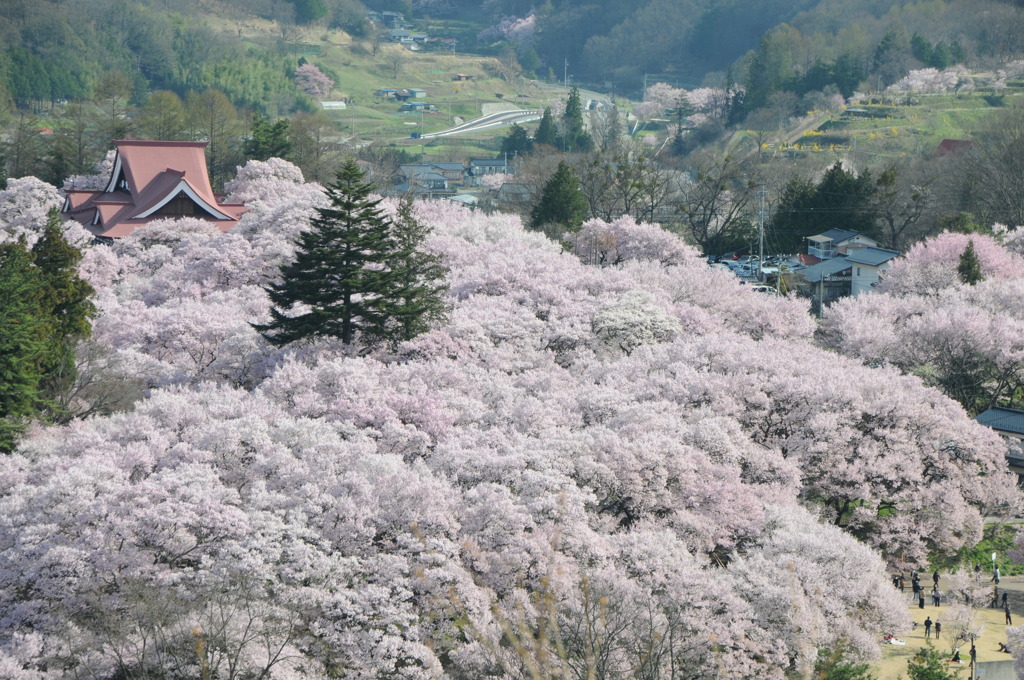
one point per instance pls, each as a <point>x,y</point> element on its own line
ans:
<point>152,180</point>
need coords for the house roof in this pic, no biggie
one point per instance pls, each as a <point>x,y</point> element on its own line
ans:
<point>487,162</point>
<point>953,147</point>
<point>825,268</point>
<point>871,256</point>
<point>1003,419</point>
<point>513,188</point>
<point>146,177</point>
<point>834,235</point>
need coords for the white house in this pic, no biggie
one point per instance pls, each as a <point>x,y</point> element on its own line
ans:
<point>836,242</point>
<point>867,265</point>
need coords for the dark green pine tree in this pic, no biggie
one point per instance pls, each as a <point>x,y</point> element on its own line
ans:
<point>572,118</point>
<point>23,342</point>
<point>574,137</point>
<point>546,132</point>
<point>339,277</point>
<point>562,206</point>
<point>517,141</point>
<point>417,302</point>
<point>3,172</point>
<point>308,11</point>
<point>65,301</point>
<point>267,139</point>
<point>969,269</point>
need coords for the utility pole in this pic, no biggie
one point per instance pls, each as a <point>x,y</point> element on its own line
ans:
<point>760,235</point>
<point>565,75</point>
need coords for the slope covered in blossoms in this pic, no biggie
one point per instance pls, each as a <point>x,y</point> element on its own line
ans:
<point>617,472</point>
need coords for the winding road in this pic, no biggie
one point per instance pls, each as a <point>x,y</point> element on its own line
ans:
<point>500,119</point>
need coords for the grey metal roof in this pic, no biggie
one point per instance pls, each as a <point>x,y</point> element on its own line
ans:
<point>1003,419</point>
<point>825,268</point>
<point>839,235</point>
<point>871,256</point>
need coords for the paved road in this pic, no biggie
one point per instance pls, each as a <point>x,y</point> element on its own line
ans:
<point>500,119</point>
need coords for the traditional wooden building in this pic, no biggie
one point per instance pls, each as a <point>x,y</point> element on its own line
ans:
<point>152,180</point>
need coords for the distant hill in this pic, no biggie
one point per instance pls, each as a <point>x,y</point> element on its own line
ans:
<point>683,41</point>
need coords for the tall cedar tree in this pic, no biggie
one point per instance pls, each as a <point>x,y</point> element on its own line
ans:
<point>546,132</point>
<point>841,200</point>
<point>45,308</point>
<point>355,275</point>
<point>66,303</point>
<point>517,141</point>
<point>418,300</point>
<point>267,139</point>
<point>969,269</point>
<point>574,138</point>
<point>561,203</point>
<point>23,342</point>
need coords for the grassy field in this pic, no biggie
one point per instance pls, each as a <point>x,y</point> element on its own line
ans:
<point>360,68</point>
<point>893,664</point>
<point>874,133</point>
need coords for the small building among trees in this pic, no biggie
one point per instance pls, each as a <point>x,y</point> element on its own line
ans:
<point>152,180</point>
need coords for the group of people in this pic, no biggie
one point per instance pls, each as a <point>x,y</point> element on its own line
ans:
<point>928,628</point>
<point>918,589</point>
<point>936,595</point>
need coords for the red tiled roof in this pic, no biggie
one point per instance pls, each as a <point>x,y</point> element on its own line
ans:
<point>155,172</point>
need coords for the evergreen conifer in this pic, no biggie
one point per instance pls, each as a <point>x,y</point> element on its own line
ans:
<point>420,281</point>
<point>561,203</point>
<point>267,139</point>
<point>969,269</point>
<point>546,132</point>
<point>357,275</point>
<point>65,302</point>
<point>23,342</point>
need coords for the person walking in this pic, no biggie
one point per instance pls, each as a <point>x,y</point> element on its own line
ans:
<point>935,597</point>
<point>938,629</point>
<point>995,575</point>
<point>1009,619</point>
<point>920,599</point>
<point>1004,602</point>
<point>935,578</point>
<point>938,598</point>
<point>928,627</point>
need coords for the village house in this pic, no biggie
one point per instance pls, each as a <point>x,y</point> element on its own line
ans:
<point>837,242</point>
<point>152,180</point>
<point>1009,424</point>
<point>423,181</point>
<point>842,263</point>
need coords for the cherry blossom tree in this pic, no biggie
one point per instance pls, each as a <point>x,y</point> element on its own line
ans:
<point>964,339</point>
<point>313,81</point>
<point>607,462</point>
<point>24,205</point>
<point>96,181</point>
